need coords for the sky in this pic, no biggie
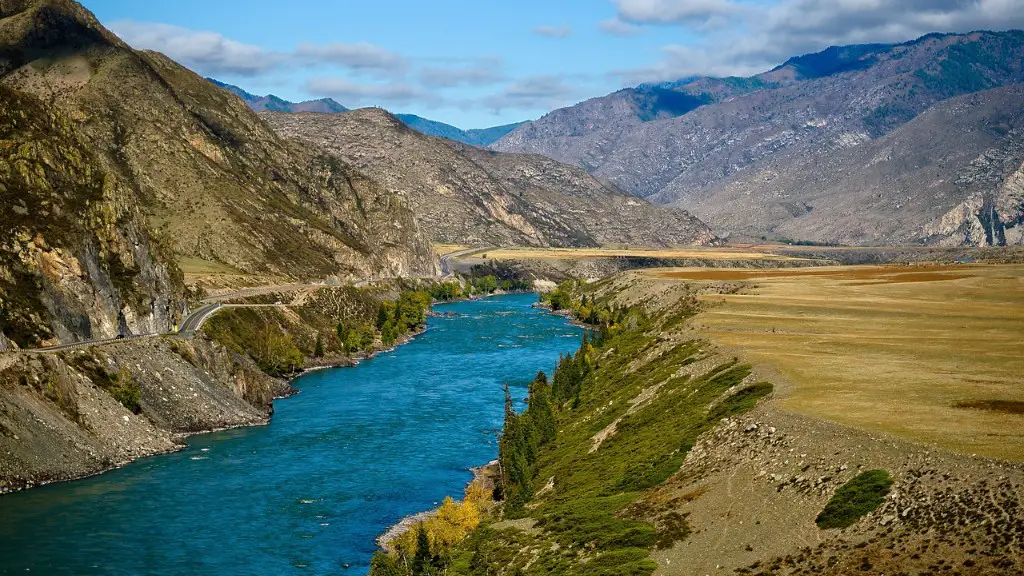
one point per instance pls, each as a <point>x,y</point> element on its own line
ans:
<point>480,63</point>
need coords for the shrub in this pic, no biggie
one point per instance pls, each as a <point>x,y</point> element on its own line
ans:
<point>127,391</point>
<point>860,496</point>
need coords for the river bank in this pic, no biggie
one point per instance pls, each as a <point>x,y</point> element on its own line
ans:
<point>184,388</point>
<point>352,454</point>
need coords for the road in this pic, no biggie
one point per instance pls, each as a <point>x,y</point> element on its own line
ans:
<point>213,304</point>
<point>446,260</point>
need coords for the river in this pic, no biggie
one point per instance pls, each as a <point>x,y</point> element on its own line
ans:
<point>357,450</point>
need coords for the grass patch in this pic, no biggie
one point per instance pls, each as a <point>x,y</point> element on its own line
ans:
<point>1005,406</point>
<point>858,497</point>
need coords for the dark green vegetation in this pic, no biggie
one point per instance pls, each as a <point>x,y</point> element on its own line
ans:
<point>853,500</point>
<point>333,323</point>
<point>400,317</point>
<point>587,502</point>
<point>482,279</point>
<point>1007,406</point>
<point>261,334</point>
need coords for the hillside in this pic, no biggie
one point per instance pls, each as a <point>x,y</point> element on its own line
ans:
<point>156,152</point>
<point>466,195</point>
<point>699,143</point>
<point>673,442</point>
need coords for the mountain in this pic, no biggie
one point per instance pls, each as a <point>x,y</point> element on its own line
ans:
<point>475,137</point>
<point>482,137</point>
<point>467,195</point>
<point>275,104</point>
<point>119,163</point>
<point>774,155</point>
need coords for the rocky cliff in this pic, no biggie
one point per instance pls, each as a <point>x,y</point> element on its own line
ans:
<point>211,177</point>
<point>77,259</point>
<point>784,136</point>
<point>466,195</point>
<point>118,163</point>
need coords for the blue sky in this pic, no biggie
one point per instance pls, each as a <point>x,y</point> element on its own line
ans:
<point>482,63</point>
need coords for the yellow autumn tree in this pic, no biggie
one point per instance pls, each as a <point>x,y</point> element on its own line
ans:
<point>452,522</point>
<point>449,525</point>
<point>479,495</point>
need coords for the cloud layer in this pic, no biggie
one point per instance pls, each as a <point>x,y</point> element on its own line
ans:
<point>716,37</point>
<point>741,38</point>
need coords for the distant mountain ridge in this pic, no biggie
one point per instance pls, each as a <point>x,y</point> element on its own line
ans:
<point>765,155</point>
<point>482,137</point>
<point>274,104</point>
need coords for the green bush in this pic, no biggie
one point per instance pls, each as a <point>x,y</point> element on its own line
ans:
<point>859,496</point>
<point>127,391</point>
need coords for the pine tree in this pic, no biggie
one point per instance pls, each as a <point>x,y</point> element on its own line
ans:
<point>422,560</point>
<point>319,348</point>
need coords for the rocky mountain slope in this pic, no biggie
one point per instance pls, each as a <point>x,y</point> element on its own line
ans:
<point>702,144</point>
<point>473,137</point>
<point>463,194</point>
<point>111,153</point>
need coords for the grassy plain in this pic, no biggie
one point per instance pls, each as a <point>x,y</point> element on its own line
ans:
<point>714,253</point>
<point>445,249</point>
<point>929,353</point>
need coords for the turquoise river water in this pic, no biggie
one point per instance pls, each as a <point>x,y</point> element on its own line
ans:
<point>357,450</point>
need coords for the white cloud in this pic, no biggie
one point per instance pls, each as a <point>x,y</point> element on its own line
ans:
<point>482,72</point>
<point>211,54</point>
<point>553,31</point>
<point>361,56</point>
<point>208,52</point>
<point>676,11</point>
<point>617,27</point>
<point>535,92</point>
<point>358,94</point>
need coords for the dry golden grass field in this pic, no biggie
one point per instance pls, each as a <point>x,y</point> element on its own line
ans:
<point>715,253</point>
<point>930,353</point>
<point>445,249</point>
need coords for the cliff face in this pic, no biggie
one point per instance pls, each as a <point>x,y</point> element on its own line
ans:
<point>77,260</point>
<point>210,176</point>
<point>117,163</point>
<point>466,195</point>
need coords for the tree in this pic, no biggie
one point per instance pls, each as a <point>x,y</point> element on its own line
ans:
<point>423,559</point>
<point>318,350</point>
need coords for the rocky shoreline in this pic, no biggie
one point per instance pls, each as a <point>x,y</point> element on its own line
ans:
<point>82,431</point>
<point>485,474</point>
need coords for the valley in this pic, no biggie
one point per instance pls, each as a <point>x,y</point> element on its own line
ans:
<point>762,324</point>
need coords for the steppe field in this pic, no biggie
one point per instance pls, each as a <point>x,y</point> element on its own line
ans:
<point>929,353</point>
<point>712,253</point>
